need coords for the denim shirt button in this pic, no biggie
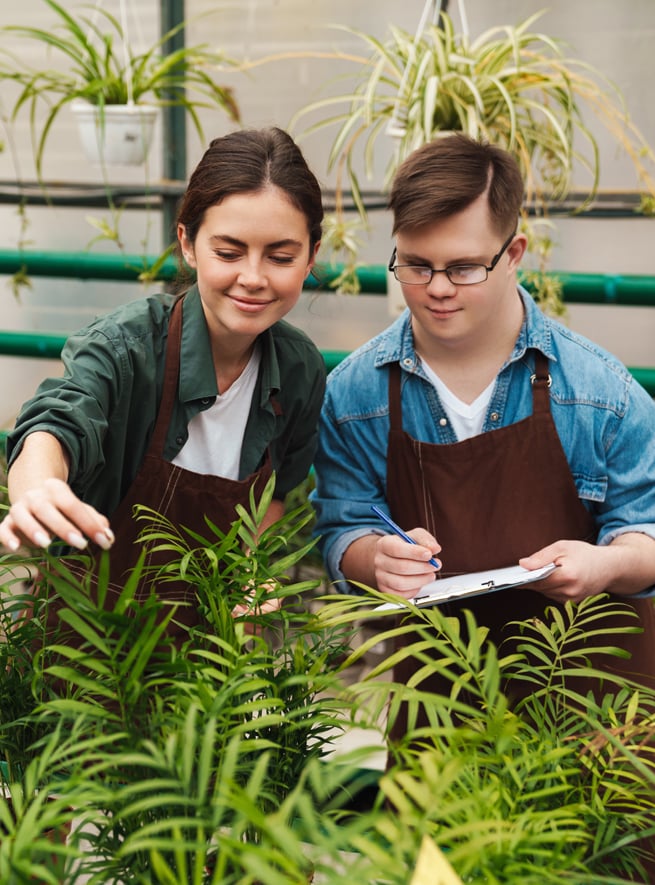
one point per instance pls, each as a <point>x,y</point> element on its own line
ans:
<point>443,422</point>
<point>408,361</point>
<point>494,416</point>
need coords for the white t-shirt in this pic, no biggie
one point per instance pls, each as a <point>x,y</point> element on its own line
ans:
<point>466,418</point>
<point>216,434</point>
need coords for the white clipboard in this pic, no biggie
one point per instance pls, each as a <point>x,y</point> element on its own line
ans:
<point>472,584</point>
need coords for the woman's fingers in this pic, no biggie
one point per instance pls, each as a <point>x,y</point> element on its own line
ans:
<point>50,511</point>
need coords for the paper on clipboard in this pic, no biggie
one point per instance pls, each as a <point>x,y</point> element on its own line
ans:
<point>472,584</point>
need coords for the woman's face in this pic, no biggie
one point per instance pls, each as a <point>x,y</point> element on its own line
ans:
<point>251,255</point>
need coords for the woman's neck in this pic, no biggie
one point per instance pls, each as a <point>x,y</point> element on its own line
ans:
<point>230,363</point>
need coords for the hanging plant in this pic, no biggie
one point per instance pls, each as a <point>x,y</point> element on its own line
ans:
<point>511,86</point>
<point>100,70</point>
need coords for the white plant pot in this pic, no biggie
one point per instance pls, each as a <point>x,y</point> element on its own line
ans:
<point>116,135</point>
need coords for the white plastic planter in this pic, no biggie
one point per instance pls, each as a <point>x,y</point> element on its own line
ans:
<point>116,135</point>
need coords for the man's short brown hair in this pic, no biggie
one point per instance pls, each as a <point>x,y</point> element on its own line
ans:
<point>448,174</point>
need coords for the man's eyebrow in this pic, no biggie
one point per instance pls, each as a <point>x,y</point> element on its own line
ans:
<point>413,258</point>
<point>234,241</point>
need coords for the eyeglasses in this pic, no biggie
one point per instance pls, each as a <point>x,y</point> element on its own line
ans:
<point>458,274</point>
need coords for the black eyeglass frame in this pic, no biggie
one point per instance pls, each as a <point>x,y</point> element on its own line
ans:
<point>433,270</point>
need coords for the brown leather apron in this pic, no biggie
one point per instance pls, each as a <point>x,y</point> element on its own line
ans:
<point>182,496</point>
<point>492,499</point>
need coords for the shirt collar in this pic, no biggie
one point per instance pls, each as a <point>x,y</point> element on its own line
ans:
<point>197,373</point>
<point>269,369</point>
<point>536,331</point>
<point>396,344</point>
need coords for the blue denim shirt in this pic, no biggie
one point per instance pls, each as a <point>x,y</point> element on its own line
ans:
<point>605,420</point>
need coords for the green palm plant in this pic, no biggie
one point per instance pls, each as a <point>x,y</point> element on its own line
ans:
<point>559,787</point>
<point>95,62</point>
<point>204,763</point>
<point>511,86</point>
<point>161,727</point>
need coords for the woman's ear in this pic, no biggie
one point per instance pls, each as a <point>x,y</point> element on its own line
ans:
<point>312,259</point>
<point>186,246</point>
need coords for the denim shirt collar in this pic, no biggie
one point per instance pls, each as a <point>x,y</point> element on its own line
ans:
<point>396,344</point>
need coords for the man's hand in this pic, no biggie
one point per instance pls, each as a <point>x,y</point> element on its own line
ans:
<point>624,567</point>
<point>403,568</point>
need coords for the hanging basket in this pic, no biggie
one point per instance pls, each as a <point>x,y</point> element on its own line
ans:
<point>115,135</point>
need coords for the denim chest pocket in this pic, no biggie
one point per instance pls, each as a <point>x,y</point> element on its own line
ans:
<point>591,488</point>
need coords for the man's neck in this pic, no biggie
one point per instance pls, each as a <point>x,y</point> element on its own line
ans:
<point>468,366</point>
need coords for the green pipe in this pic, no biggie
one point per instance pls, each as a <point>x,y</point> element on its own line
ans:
<point>620,289</point>
<point>645,376</point>
<point>627,290</point>
<point>83,265</point>
<point>49,346</point>
<point>32,344</point>
<point>372,278</point>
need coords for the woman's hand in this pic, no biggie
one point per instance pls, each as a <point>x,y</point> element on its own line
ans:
<point>51,510</point>
<point>250,608</point>
<point>43,505</point>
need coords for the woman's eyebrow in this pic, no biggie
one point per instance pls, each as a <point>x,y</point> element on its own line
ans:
<point>234,241</point>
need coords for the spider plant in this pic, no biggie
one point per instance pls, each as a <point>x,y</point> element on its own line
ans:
<point>511,86</point>
<point>94,61</point>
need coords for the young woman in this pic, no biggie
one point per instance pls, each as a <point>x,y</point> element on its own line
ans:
<point>183,403</point>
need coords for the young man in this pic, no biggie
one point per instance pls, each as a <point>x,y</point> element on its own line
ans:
<point>493,434</point>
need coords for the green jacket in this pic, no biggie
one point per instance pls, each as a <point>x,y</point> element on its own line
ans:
<point>103,409</point>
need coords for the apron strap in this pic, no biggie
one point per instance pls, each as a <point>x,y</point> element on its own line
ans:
<point>541,382</point>
<point>171,376</point>
<point>395,408</point>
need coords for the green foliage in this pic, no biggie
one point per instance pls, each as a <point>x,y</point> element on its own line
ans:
<point>204,762</point>
<point>511,86</point>
<point>341,241</point>
<point>171,738</point>
<point>21,631</point>
<point>103,69</point>
<point>560,787</point>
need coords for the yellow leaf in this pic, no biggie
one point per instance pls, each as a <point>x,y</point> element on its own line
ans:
<point>432,868</point>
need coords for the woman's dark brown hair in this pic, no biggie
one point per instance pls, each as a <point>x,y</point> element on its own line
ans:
<point>247,161</point>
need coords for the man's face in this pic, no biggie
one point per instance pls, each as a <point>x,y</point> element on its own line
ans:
<point>456,317</point>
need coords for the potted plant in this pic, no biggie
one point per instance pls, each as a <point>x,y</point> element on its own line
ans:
<point>169,735</point>
<point>557,787</point>
<point>203,764</point>
<point>510,85</point>
<point>105,79</point>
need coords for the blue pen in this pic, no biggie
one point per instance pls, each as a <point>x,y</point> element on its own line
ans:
<point>396,528</point>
